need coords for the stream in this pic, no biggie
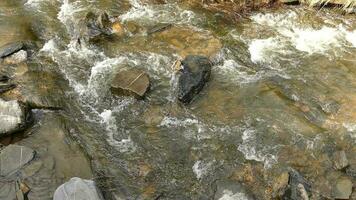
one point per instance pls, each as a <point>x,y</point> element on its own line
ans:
<point>282,95</point>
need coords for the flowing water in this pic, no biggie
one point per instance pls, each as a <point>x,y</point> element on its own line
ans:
<point>282,94</point>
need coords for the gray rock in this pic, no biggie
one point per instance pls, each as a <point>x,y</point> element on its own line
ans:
<point>132,82</point>
<point>342,188</point>
<point>4,78</point>
<point>10,48</point>
<point>290,1</point>
<point>298,187</point>
<point>96,26</point>
<point>14,117</point>
<point>7,190</point>
<point>16,58</point>
<point>340,160</point>
<point>194,75</point>
<point>13,157</point>
<point>158,28</point>
<point>6,87</point>
<point>78,189</point>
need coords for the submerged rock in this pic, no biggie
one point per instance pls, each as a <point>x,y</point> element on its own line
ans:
<point>340,160</point>
<point>298,187</point>
<point>132,82</point>
<point>14,117</point>
<point>13,157</point>
<point>194,75</point>
<point>6,87</point>
<point>159,28</point>
<point>342,188</point>
<point>78,189</point>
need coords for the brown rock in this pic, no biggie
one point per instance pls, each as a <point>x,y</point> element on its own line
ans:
<point>132,82</point>
<point>340,160</point>
<point>118,29</point>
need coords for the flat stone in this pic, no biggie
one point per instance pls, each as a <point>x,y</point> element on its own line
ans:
<point>340,160</point>
<point>342,188</point>
<point>8,190</point>
<point>14,157</point>
<point>132,82</point>
<point>159,28</point>
<point>14,117</point>
<point>10,48</point>
<point>195,73</point>
<point>78,189</point>
<point>16,58</point>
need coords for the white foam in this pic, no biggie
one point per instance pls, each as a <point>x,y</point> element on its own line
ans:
<point>69,14</point>
<point>202,168</point>
<point>171,121</point>
<point>351,37</point>
<point>153,14</point>
<point>303,37</point>
<point>50,47</point>
<point>229,195</point>
<point>316,41</point>
<point>252,151</point>
<point>262,50</point>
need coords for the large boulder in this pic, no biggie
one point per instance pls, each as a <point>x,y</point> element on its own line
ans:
<point>14,157</point>
<point>14,117</point>
<point>131,82</point>
<point>193,76</point>
<point>78,189</point>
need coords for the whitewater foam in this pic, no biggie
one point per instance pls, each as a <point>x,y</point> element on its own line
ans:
<point>252,151</point>
<point>304,38</point>
<point>229,195</point>
<point>202,168</point>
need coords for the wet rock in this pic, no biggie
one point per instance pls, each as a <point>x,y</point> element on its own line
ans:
<point>292,2</point>
<point>16,58</point>
<point>298,187</point>
<point>4,78</point>
<point>14,157</point>
<point>158,28</point>
<point>118,29</point>
<point>14,117</point>
<point>10,49</point>
<point>186,41</point>
<point>342,188</point>
<point>78,189</point>
<point>6,87</point>
<point>280,184</point>
<point>131,82</point>
<point>340,160</point>
<point>97,25</point>
<point>194,75</point>
<point>8,190</point>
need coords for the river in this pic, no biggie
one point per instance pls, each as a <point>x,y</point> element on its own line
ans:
<point>282,95</point>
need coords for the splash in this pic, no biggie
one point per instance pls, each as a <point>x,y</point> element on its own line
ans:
<point>153,14</point>
<point>252,151</point>
<point>202,168</point>
<point>229,195</point>
<point>304,37</point>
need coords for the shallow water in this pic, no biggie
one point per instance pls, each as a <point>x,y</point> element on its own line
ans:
<point>282,94</point>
